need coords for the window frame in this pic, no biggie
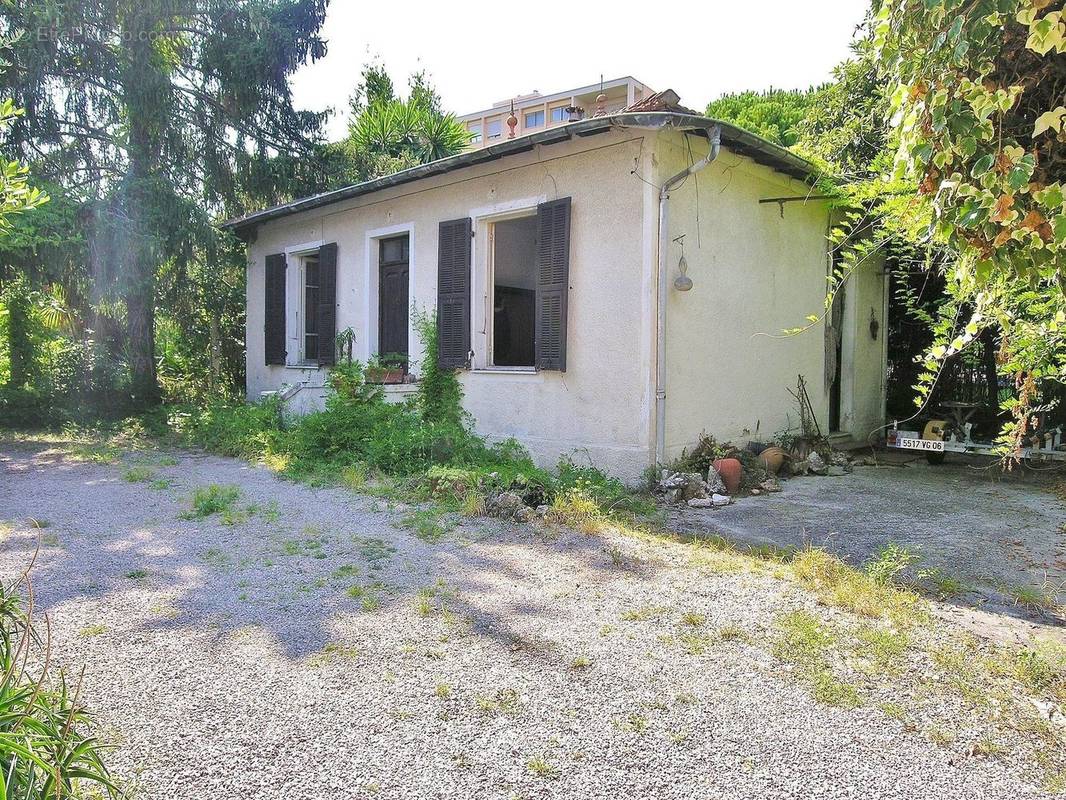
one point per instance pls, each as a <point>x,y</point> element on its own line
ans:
<point>294,302</point>
<point>483,279</point>
<point>305,261</point>
<point>563,116</point>
<point>367,344</point>
<point>527,114</point>
<point>489,137</point>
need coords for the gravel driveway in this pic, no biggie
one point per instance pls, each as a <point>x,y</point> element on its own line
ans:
<point>314,649</point>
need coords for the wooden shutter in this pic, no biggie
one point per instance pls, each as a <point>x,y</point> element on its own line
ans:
<point>327,304</point>
<point>553,275</point>
<point>274,310</point>
<point>453,293</point>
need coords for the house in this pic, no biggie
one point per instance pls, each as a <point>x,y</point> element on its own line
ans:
<point>534,112</point>
<point>610,287</point>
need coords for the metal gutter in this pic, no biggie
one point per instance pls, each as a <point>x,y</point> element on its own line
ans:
<point>736,139</point>
<point>714,136</point>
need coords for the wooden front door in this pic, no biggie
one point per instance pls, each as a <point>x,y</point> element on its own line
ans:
<point>393,257</point>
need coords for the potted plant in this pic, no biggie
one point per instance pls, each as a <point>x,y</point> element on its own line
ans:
<point>387,368</point>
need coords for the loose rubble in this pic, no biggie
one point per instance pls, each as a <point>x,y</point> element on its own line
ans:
<point>761,470</point>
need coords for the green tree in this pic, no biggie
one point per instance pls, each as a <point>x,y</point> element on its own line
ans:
<point>773,114</point>
<point>977,99</point>
<point>159,114</point>
<point>16,308</point>
<point>387,134</point>
<point>845,123</point>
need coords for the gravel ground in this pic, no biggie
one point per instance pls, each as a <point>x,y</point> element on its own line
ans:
<point>233,661</point>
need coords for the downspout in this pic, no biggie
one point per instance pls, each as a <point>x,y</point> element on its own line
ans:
<point>714,134</point>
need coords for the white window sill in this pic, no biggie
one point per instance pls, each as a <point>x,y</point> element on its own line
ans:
<point>308,365</point>
<point>507,370</point>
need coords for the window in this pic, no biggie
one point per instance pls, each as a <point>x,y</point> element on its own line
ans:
<point>394,256</point>
<point>310,309</point>
<point>475,132</point>
<point>495,128</point>
<point>534,119</point>
<point>514,282</point>
<point>558,114</point>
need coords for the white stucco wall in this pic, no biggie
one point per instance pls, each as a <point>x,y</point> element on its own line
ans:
<point>599,406</point>
<point>755,273</point>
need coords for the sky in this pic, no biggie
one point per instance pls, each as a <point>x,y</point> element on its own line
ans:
<point>477,54</point>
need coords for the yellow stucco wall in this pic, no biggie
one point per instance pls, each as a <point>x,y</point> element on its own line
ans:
<point>756,272</point>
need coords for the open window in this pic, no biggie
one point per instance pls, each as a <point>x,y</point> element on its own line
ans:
<point>523,281</point>
<point>514,292</point>
<point>309,279</point>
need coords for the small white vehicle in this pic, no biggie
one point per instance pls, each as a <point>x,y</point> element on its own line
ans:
<point>942,436</point>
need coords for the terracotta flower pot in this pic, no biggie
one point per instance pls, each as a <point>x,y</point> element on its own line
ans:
<point>731,472</point>
<point>773,458</point>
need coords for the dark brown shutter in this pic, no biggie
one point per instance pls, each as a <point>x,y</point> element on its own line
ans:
<point>327,304</point>
<point>453,293</point>
<point>274,310</point>
<point>553,275</point>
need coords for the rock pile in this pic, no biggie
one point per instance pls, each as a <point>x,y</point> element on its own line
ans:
<point>692,489</point>
<point>509,505</point>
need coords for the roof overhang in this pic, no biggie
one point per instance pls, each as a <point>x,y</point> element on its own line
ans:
<point>736,139</point>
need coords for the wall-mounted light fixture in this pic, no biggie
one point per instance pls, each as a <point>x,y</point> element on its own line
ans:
<point>682,282</point>
<point>875,326</point>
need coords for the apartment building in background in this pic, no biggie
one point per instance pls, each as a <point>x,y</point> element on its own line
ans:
<point>537,111</point>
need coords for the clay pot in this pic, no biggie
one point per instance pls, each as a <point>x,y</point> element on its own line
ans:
<point>731,472</point>
<point>773,458</point>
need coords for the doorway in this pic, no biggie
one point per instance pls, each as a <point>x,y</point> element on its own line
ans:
<point>835,357</point>
<point>393,285</point>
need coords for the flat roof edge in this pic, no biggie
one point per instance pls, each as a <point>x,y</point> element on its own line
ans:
<point>734,138</point>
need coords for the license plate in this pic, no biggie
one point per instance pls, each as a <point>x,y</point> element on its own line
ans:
<point>931,445</point>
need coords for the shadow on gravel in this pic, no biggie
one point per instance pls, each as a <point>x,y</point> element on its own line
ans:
<point>294,566</point>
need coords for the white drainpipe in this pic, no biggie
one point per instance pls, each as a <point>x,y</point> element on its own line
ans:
<point>715,136</point>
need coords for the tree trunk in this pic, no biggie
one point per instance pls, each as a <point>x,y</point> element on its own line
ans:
<point>140,86</point>
<point>140,328</point>
<point>215,371</point>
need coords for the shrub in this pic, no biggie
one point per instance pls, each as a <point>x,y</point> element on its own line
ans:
<point>245,430</point>
<point>428,444</point>
<point>46,747</point>
<point>440,395</point>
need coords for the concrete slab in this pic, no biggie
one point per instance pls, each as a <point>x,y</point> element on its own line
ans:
<point>966,517</point>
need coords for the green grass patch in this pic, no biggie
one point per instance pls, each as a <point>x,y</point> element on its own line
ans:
<point>375,551</point>
<point>345,572</point>
<point>805,641</point>
<point>138,474</point>
<point>428,525</point>
<point>96,452</point>
<point>1031,598</point>
<point>213,499</point>
<point>838,584</point>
